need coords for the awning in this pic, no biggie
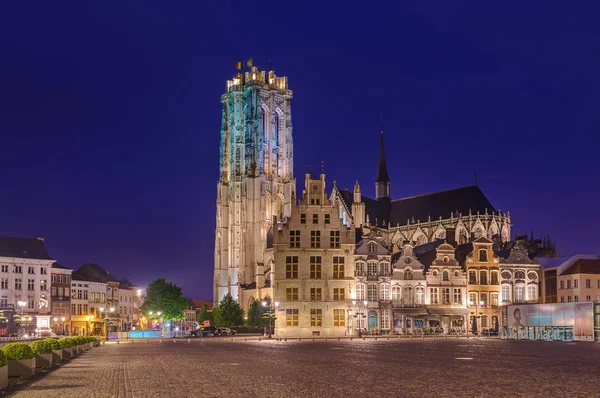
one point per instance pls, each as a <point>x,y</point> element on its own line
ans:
<point>448,311</point>
<point>410,312</point>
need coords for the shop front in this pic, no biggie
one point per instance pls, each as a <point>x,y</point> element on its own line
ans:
<point>553,321</point>
<point>447,320</point>
<point>410,321</point>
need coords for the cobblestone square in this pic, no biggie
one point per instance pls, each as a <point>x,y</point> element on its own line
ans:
<point>384,368</point>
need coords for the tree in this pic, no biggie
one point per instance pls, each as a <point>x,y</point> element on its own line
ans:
<point>228,313</point>
<point>164,297</point>
<point>255,314</point>
<point>205,314</point>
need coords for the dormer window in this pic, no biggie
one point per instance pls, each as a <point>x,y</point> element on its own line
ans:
<point>483,258</point>
<point>372,247</point>
<point>445,276</point>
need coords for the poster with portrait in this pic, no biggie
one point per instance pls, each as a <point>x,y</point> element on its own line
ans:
<point>517,316</point>
<point>583,329</point>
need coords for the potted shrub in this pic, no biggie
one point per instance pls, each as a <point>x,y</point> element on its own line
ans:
<point>21,359</point>
<point>88,342</point>
<point>57,352</point>
<point>91,341</point>
<point>66,345</point>
<point>43,353</point>
<point>95,342</point>
<point>3,371</point>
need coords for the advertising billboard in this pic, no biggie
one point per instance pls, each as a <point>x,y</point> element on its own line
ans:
<point>583,329</point>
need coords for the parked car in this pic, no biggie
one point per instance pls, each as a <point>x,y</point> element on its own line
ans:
<point>196,333</point>
<point>225,332</point>
<point>209,331</point>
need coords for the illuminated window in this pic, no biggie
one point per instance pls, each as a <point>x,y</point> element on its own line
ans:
<point>338,267</point>
<point>315,267</point>
<point>315,239</point>
<point>457,296</point>
<point>445,276</point>
<point>372,291</point>
<point>316,317</point>
<point>291,294</point>
<point>434,297</point>
<point>315,218</point>
<point>315,294</point>
<point>494,299</point>
<point>302,218</point>
<point>339,318</point>
<point>419,295</point>
<point>294,238</point>
<point>327,219</point>
<point>384,291</point>
<point>360,291</point>
<point>334,239</point>
<point>291,267</point>
<point>483,278</point>
<point>339,294</point>
<point>291,317</point>
<point>494,278</point>
<point>472,277</point>
<point>483,256</point>
<point>385,319</point>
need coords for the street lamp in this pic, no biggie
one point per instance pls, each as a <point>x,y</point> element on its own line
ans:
<point>106,318</point>
<point>271,312</point>
<point>477,304</point>
<point>63,325</point>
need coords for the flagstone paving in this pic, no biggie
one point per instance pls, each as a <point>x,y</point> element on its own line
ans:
<point>408,368</point>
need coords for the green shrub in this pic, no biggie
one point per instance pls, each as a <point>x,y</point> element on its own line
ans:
<point>17,351</point>
<point>79,340</point>
<point>67,342</point>
<point>41,347</point>
<point>91,339</point>
<point>2,359</point>
<point>54,344</point>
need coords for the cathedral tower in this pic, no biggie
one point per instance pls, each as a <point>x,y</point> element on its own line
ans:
<point>256,180</point>
<point>382,184</point>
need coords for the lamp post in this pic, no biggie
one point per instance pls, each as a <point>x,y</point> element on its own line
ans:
<point>271,312</point>
<point>359,315</point>
<point>63,325</point>
<point>477,304</point>
<point>21,304</point>
<point>106,317</point>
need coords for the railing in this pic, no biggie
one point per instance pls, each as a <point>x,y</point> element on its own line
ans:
<point>402,304</point>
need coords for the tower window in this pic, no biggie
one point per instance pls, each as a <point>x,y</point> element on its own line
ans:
<point>315,218</point>
<point>334,239</point>
<point>294,238</point>
<point>291,267</point>
<point>315,239</point>
<point>315,267</point>
<point>303,218</point>
<point>327,219</point>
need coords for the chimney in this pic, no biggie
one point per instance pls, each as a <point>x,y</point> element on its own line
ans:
<point>451,236</point>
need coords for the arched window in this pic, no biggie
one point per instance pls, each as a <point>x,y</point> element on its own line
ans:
<point>384,291</point>
<point>360,268</point>
<point>506,296</point>
<point>494,278</point>
<point>372,247</point>
<point>419,295</point>
<point>385,319</point>
<point>519,293</point>
<point>483,256</point>
<point>360,291</point>
<point>384,268</point>
<point>483,278</point>
<point>445,276</point>
<point>472,277</point>
<point>494,299</point>
<point>396,293</point>
<point>483,297</point>
<point>372,268</point>
<point>531,293</point>
<point>484,321</point>
<point>372,292</point>
<point>519,274</point>
<point>408,295</point>
<point>408,274</point>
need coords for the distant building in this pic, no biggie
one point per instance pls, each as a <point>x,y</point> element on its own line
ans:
<point>60,298</point>
<point>571,279</point>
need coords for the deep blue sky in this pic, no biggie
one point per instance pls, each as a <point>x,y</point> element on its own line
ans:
<point>110,115</point>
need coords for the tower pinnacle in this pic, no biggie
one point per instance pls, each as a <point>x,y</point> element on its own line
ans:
<point>382,183</point>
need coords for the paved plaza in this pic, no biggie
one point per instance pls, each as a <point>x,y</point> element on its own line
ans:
<point>383,368</point>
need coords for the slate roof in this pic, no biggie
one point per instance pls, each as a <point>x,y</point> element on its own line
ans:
<point>59,266</point>
<point>95,273</point>
<point>421,207</point>
<point>23,248</point>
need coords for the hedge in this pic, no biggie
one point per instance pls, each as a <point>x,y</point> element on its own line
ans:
<point>3,359</point>
<point>18,351</point>
<point>67,342</point>
<point>41,347</point>
<point>53,343</point>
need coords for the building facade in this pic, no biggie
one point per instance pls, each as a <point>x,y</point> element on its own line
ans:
<point>60,298</point>
<point>313,267</point>
<point>256,181</point>
<point>520,277</point>
<point>81,319</point>
<point>483,285</point>
<point>446,293</point>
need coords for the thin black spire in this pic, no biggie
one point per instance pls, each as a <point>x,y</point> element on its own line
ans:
<point>382,173</point>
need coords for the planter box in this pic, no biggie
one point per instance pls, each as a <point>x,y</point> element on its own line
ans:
<point>67,353</point>
<point>43,360</point>
<point>75,351</point>
<point>57,356</point>
<point>96,343</point>
<point>22,367</point>
<point>3,377</point>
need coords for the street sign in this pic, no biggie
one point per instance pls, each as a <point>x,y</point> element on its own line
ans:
<point>206,324</point>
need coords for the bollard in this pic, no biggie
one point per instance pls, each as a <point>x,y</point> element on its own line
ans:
<point>299,338</point>
<point>232,339</point>
<point>446,337</point>
<point>131,341</point>
<point>285,338</point>
<point>118,341</point>
<point>325,338</point>
<point>259,339</point>
<point>146,340</point>
<point>375,338</point>
<point>313,339</point>
<point>411,336</point>
<point>189,340</point>
<point>246,338</point>
<point>160,341</point>
<point>174,341</point>
<point>388,337</point>
<point>422,337</point>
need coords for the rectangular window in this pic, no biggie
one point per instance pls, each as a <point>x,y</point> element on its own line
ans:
<point>315,267</point>
<point>576,298</point>
<point>457,296</point>
<point>576,283</point>
<point>483,278</point>
<point>43,285</point>
<point>60,279</point>
<point>85,309</point>
<point>302,218</point>
<point>4,283</point>
<point>562,284</point>
<point>338,267</point>
<point>294,238</point>
<point>588,283</point>
<point>4,301</point>
<point>315,294</point>
<point>30,284</point>
<point>80,294</point>
<point>568,284</point>
<point>31,302</point>
<point>315,239</point>
<point>484,299</point>
<point>327,219</point>
<point>562,299</point>
<point>316,317</point>
<point>339,318</point>
<point>445,295</point>
<point>588,298</point>
<point>494,277</point>
<point>53,278</point>
<point>79,309</point>
<point>494,299</point>
<point>483,256</point>
<point>472,277</point>
<point>568,299</point>
<point>434,295</point>
<point>43,271</point>
<point>291,317</point>
<point>31,271</point>
<point>85,294</point>
<point>18,269</point>
<point>72,309</point>
<point>315,218</point>
<point>67,292</point>
<point>5,269</point>
<point>18,285</point>
<point>60,291</point>
<point>53,291</point>
<point>334,239</point>
<point>291,267</point>
<point>291,294</point>
<point>339,294</point>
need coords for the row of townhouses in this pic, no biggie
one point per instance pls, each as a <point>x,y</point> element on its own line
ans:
<point>39,296</point>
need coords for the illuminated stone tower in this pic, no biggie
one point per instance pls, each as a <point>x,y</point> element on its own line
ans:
<point>256,180</point>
